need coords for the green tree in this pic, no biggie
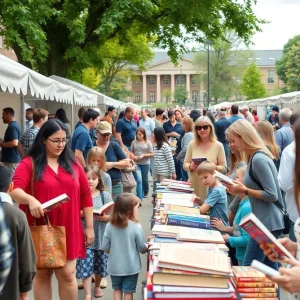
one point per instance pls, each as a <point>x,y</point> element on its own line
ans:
<point>180,94</point>
<point>56,36</point>
<point>292,68</point>
<point>226,64</point>
<point>167,94</point>
<point>281,64</point>
<point>252,87</point>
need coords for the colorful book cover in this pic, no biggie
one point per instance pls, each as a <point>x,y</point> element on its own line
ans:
<point>187,222</point>
<point>254,284</point>
<point>258,295</point>
<point>248,274</point>
<point>257,290</point>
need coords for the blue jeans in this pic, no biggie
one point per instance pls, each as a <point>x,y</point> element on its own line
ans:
<point>253,251</point>
<point>177,169</point>
<point>184,173</point>
<point>292,233</point>
<point>145,183</point>
<point>138,178</point>
<point>227,152</point>
<point>116,190</point>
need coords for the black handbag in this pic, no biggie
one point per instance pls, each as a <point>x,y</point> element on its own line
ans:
<point>286,218</point>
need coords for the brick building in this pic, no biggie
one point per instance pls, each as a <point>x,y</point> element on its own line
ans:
<point>9,53</point>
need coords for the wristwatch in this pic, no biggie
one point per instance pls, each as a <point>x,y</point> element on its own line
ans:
<point>114,164</point>
<point>246,192</point>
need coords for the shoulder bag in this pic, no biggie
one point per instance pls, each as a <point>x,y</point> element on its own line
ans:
<point>282,209</point>
<point>49,241</point>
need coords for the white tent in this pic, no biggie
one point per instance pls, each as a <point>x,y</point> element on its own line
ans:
<point>19,84</point>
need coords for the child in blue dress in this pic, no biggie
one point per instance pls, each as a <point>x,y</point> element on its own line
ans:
<point>123,240</point>
<point>96,260</point>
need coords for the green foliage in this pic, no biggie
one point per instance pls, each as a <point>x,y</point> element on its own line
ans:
<point>62,36</point>
<point>181,94</point>
<point>281,64</point>
<point>167,95</point>
<point>90,78</point>
<point>226,64</point>
<point>252,87</point>
<point>292,67</point>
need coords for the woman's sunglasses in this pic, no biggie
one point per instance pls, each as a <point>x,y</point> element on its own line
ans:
<point>204,127</point>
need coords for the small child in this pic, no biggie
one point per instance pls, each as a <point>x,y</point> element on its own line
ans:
<point>238,237</point>
<point>216,199</point>
<point>20,278</point>
<point>123,240</point>
<point>96,260</point>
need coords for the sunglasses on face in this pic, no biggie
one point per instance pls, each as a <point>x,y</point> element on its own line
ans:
<point>204,127</point>
<point>105,134</point>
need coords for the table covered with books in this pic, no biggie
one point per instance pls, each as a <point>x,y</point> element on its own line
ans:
<point>189,260</point>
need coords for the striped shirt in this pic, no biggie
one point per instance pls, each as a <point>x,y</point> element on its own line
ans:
<point>163,160</point>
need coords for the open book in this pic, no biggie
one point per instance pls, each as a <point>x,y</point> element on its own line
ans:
<point>55,202</point>
<point>261,234</point>
<point>104,209</point>
<point>223,178</point>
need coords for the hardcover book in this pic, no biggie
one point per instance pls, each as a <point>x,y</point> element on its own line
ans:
<point>199,235</point>
<point>248,274</point>
<point>188,222</point>
<point>104,209</point>
<point>223,178</point>
<point>55,202</point>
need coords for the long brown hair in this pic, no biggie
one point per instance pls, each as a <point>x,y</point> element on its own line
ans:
<point>123,210</point>
<point>297,164</point>
<point>143,132</point>
<point>266,132</point>
<point>97,173</point>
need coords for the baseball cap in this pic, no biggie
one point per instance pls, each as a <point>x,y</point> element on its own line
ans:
<point>104,127</point>
<point>275,108</point>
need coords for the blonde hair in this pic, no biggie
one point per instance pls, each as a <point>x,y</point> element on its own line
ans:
<point>233,159</point>
<point>188,124</point>
<point>206,166</point>
<point>266,132</point>
<point>245,130</point>
<point>98,153</point>
<point>242,169</point>
<point>212,135</point>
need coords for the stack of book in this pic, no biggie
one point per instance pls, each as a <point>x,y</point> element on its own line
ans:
<point>252,284</point>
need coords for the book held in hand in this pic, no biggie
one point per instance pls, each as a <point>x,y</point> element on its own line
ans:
<point>55,202</point>
<point>104,209</point>
<point>198,160</point>
<point>261,234</point>
<point>223,178</point>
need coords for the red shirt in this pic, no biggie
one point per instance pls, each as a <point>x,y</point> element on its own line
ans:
<point>53,185</point>
<point>256,119</point>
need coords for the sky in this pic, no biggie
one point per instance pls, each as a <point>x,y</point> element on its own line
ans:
<point>284,23</point>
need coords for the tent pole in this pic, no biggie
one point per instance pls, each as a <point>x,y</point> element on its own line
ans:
<point>22,112</point>
<point>72,116</point>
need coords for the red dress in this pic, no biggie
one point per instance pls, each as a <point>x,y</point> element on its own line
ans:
<point>67,214</point>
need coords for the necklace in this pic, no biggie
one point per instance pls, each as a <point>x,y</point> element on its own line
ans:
<point>205,147</point>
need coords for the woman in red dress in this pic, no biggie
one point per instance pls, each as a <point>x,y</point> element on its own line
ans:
<point>56,172</point>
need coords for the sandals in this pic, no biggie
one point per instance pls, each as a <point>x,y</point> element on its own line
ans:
<point>98,292</point>
<point>103,283</point>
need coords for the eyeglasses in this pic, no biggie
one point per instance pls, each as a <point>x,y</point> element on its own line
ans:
<point>204,127</point>
<point>57,142</point>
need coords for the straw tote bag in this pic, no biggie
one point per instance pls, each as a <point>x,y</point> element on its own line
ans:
<point>49,241</point>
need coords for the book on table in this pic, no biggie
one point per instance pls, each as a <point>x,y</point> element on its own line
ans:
<point>180,187</point>
<point>178,199</point>
<point>167,181</point>
<point>55,202</point>
<point>223,178</point>
<point>199,235</point>
<point>188,221</point>
<point>106,208</point>
<point>165,230</point>
<point>180,209</point>
<point>262,235</point>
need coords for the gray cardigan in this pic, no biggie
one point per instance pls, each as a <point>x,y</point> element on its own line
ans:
<point>265,172</point>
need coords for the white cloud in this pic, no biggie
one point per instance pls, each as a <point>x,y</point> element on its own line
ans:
<point>284,23</point>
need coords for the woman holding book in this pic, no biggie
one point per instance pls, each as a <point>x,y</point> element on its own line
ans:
<point>55,171</point>
<point>260,184</point>
<point>205,144</point>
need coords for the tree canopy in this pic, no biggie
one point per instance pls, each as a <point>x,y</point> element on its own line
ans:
<point>252,87</point>
<point>180,94</point>
<point>56,36</point>
<point>292,68</point>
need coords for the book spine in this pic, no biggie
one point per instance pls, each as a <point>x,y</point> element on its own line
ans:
<point>258,295</point>
<point>192,224</point>
<point>190,218</point>
<point>254,284</point>
<point>251,279</point>
<point>257,290</point>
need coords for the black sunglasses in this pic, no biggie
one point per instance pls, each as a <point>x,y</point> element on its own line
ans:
<point>204,127</point>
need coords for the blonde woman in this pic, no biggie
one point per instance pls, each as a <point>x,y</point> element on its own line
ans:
<point>205,144</point>
<point>266,132</point>
<point>96,156</point>
<point>260,184</point>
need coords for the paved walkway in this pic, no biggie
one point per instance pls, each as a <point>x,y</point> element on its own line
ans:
<point>145,213</point>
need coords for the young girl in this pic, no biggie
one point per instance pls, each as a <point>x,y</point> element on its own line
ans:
<point>142,150</point>
<point>97,157</point>
<point>96,260</point>
<point>237,237</point>
<point>163,159</point>
<point>123,240</point>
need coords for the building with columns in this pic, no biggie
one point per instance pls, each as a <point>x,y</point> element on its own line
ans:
<point>158,82</point>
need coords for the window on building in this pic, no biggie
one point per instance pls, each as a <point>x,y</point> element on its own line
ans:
<point>152,96</point>
<point>194,95</point>
<point>137,82</point>
<point>194,80</point>
<point>258,60</point>
<point>152,79</point>
<point>180,80</point>
<point>271,59</point>
<point>166,80</point>
<point>138,97</point>
<point>250,59</point>
<point>1,42</point>
<point>271,75</point>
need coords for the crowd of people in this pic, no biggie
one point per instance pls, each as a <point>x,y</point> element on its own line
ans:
<point>105,157</point>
